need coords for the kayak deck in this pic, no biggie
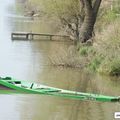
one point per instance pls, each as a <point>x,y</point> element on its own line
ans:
<point>33,88</point>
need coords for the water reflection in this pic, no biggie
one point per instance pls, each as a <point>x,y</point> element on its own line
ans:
<point>27,60</point>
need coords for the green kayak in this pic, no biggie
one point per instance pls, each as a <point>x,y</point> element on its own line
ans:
<point>11,84</point>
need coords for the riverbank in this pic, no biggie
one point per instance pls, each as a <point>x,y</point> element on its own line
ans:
<point>106,47</point>
<point>103,56</point>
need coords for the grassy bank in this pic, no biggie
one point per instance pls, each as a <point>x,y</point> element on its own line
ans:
<point>107,42</point>
<point>108,46</point>
<point>103,56</point>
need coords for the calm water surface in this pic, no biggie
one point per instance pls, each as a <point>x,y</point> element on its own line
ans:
<point>28,60</point>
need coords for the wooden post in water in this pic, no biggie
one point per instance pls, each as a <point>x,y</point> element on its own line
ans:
<point>30,36</point>
<point>50,37</point>
<point>12,36</point>
<point>27,36</point>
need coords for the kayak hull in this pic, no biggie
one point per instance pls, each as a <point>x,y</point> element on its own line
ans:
<point>33,88</point>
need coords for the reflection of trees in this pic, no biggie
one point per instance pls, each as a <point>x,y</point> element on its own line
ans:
<point>90,110</point>
<point>84,110</point>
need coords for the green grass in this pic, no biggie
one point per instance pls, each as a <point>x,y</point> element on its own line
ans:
<point>86,50</point>
<point>115,67</point>
<point>110,67</point>
<point>83,51</point>
<point>110,16</point>
<point>95,63</point>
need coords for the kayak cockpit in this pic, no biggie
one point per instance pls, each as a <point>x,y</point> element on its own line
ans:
<point>14,82</point>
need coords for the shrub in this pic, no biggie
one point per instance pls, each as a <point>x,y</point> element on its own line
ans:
<point>83,51</point>
<point>110,67</point>
<point>87,51</point>
<point>115,67</point>
<point>95,63</point>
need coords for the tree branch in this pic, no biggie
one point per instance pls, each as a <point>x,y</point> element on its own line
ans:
<point>82,10</point>
<point>68,24</point>
<point>88,4</point>
<point>96,6</point>
<point>88,7</point>
<point>82,4</point>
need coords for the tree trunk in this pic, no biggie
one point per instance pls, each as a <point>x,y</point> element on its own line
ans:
<point>87,27</point>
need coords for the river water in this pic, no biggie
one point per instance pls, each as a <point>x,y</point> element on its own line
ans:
<point>27,60</point>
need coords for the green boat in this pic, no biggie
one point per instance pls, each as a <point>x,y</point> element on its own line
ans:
<point>11,84</point>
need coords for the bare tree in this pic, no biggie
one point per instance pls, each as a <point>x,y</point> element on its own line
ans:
<point>78,15</point>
